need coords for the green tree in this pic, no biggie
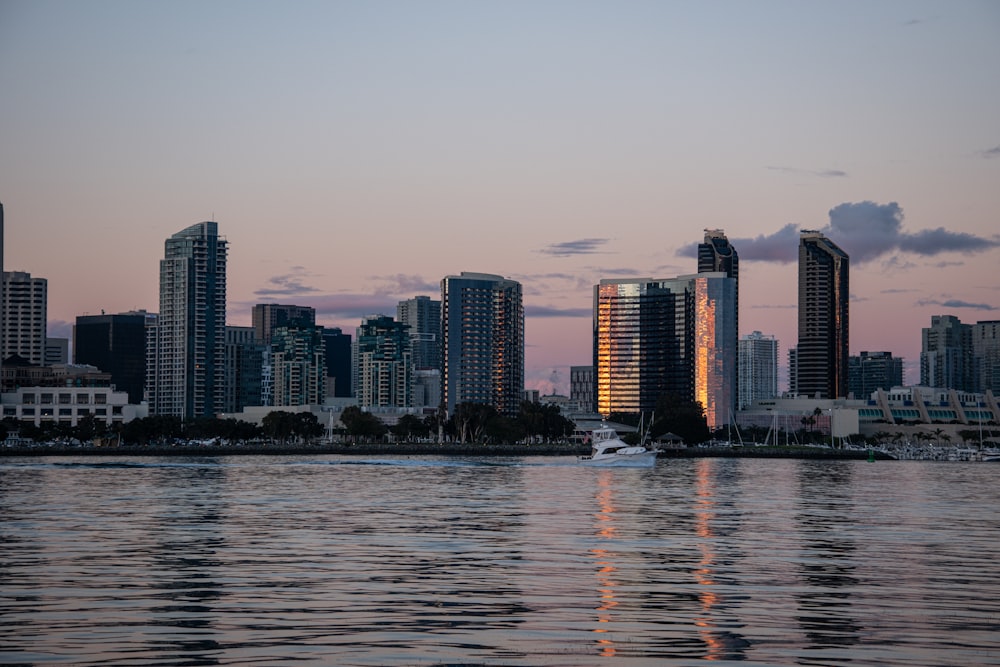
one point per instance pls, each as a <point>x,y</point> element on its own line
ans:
<point>362,425</point>
<point>470,420</point>
<point>682,417</point>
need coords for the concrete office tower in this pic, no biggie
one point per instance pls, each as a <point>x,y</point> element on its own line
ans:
<point>758,368</point>
<point>385,363</point>
<point>986,356</point>
<point>423,315</point>
<point>482,346</point>
<point>946,354</point>
<point>824,300</point>
<point>581,387</point>
<point>190,373</point>
<point>269,316</point>
<point>339,374</point>
<point>298,362</point>
<point>25,315</point>
<point>56,351</point>
<point>116,344</point>
<point>870,371</point>
<point>674,335</point>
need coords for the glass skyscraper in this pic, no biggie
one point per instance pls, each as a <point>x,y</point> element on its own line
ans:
<point>824,299</point>
<point>482,346</point>
<point>676,335</point>
<point>190,349</point>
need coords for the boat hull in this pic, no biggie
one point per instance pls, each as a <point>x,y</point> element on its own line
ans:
<point>643,460</point>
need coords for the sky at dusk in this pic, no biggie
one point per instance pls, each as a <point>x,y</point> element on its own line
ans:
<point>354,153</point>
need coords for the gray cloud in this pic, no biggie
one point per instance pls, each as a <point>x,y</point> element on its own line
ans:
<point>822,173</point>
<point>551,311</point>
<point>991,152</point>
<point>403,284</point>
<point>59,329</point>
<point>866,231</point>
<point>955,303</point>
<point>289,284</point>
<point>578,247</point>
<point>781,246</point>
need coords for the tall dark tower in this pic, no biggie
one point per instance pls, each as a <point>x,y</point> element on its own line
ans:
<point>717,255</point>
<point>824,297</point>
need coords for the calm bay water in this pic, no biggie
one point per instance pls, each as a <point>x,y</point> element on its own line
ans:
<point>423,561</point>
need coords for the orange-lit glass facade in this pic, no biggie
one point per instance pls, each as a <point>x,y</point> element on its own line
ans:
<point>657,336</point>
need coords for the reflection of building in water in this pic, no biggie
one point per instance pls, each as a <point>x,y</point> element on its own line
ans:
<point>720,644</point>
<point>603,558</point>
<point>827,570</point>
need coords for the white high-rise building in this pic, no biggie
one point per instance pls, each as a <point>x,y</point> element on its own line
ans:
<point>24,304</point>
<point>190,359</point>
<point>758,368</point>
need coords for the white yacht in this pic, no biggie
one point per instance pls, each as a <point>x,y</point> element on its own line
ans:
<point>607,449</point>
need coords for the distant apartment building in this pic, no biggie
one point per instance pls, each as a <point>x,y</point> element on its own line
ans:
<point>24,306</point>
<point>986,355</point>
<point>56,351</point>
<point>824,303</point>
<point>946,359</point>
<point>871,371</point>
<point>267,317</point>
<point>116,344</point>
<point>244,369</point>
<point>422,315</point>
<point>339,365</point>
<point>482,346</point>
<point>675,335</point>
<point>298,362</point>
<point>190,351</point>
<point>581,387</point>
<point>385,363</point>
<point>758,368</point>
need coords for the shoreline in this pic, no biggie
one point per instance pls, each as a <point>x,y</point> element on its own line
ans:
<point>426,449</point>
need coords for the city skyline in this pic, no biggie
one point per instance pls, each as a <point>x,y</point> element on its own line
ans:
<point>353,154</point>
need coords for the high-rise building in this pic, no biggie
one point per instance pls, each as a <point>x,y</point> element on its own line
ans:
<point>717,255</point>
<point>758,368</point>
<point>244,369</point>
<point>581,387</point>
<point>56,351</point>
<point>298,362</point>
<point>653,337</point>
<point>946,360</point>
<point>190,370</point>
<point>986,355</point>
<point>24,304</point>
<point>338,363</point>
<point>870,371</point>
<point>423,315</point>
<point>269,316</point>
<point>116,344</point>
<point>824,301</point>
<point>793,371</point>
<point>385,363</point>
<point>482,346</point>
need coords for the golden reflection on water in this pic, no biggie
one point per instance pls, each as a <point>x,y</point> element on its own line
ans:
<point>606,530</point>
<point>704,516</point>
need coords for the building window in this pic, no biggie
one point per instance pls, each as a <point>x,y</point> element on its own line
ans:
<point>100,399</point>
<point>82,399</point>
<point>65,412</point>
<point>65,399</point>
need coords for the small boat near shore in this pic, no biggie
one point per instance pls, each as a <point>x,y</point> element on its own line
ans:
<point>607,449</point>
